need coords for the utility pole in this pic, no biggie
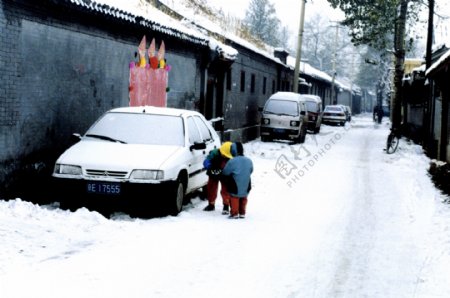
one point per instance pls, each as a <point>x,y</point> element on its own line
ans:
<point>333,93</point>
<point>299,45</point>
<point>351,79</point>
<point>429,107</point>
<point>429,33</point>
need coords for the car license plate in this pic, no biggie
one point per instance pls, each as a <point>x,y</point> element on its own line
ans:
<point>278,130</point>
<point>105,188</point>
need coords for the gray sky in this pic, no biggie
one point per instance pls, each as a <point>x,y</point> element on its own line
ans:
<point>288,11</point>
<point>289,14</point>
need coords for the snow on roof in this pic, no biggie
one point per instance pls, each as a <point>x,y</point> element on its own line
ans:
<point>309,70</point>
<point>200,22</point>
<point>420,68</point>
<point>284,95</point>
<point>195,28</point>
<point>133,10</point>
<point>224,50</point>
<point>444,58</point>
<point>281,50</point>
<point>153,110</point>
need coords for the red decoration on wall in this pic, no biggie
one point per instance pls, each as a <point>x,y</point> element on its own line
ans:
<point>148,82</point>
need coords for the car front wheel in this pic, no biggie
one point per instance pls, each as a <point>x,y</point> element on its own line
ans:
<point>177,198</point>
<point>302,136</point>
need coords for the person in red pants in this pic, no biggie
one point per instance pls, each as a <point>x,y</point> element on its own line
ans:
<point>214,163</point>
<point>236,176</point>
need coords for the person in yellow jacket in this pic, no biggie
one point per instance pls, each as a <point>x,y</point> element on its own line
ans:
<point>214,164</point>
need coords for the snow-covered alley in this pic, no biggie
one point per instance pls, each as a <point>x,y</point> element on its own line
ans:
<point>334,217</point>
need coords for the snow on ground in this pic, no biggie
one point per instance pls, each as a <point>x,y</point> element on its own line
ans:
<point>334,217</point>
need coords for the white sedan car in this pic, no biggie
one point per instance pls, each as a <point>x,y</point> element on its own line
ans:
<point>144,157</point>
<point>334,114</point>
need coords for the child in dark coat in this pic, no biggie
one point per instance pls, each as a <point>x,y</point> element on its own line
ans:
<point>236,177</point>
<point>214,163</point>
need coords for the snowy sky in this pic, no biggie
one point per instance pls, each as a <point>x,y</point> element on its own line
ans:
<point>289,14</point>
<point>288,11</point>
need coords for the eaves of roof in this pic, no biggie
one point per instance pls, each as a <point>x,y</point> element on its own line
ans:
<point>92,6</point>
<point>442,63</point>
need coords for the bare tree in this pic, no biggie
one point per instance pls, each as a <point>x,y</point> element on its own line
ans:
<point>262,21</point>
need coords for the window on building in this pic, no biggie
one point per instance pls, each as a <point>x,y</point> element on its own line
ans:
<point>229,79</point>
<point>242,81</point>
<point>264,85</point>
<point>252,83</point>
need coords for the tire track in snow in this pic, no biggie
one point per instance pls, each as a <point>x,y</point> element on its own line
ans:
<point>360,223</point>
<point>379,249</point>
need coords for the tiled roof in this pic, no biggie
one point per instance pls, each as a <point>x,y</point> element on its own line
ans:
<point>159,22</point>
<point>445,59</point>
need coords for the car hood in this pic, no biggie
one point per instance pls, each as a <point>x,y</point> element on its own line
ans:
<point>105,155</point>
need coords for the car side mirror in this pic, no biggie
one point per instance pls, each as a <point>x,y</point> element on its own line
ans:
<point>75,138</point>
<point>303,113</point>
<point>198,146</point>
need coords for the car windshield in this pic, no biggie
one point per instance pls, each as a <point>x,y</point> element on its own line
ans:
<point>312,106</point>
<point>281,107</point>
<point>333,109</point>
<point>139,129</point>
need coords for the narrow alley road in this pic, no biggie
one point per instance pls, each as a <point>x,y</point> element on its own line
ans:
<point>333,217</point>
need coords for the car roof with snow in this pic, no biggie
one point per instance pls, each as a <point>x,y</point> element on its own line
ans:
<point>154,110</point>
<point>334,108</point>
<point>286,96</point>
<point>311,97</point>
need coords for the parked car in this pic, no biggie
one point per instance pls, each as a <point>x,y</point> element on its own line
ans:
<point>314,107</point>
<point>334,114</point>
<point>140,157</point>
<point>348,113</point>
<point>284,117</point>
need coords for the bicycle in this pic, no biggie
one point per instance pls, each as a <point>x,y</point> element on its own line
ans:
<point>393,140</point>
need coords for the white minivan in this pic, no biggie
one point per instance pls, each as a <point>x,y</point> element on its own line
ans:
<point>314,107</point>
<point>284,116</point>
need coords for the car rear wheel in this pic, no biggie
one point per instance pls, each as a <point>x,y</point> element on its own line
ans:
<point>266,139</point>
<point>317,129</point>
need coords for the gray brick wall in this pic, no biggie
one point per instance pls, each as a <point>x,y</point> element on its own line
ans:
<point>241,107</point>
<point>9,102</point>
<point>62,67</point>
<point>59,71</point>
